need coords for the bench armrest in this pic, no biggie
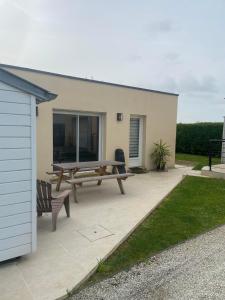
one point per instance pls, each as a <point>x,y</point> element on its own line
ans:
<point>63,195</point>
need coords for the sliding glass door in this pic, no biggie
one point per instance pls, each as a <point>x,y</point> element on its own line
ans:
<point>76,137</point>
<point>88,138</point>
<point>64,138</point>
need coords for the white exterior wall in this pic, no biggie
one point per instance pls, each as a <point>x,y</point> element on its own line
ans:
<point>17,173</point>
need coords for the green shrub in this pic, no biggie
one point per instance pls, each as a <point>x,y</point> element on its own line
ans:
<point>160,155</point>
<point>194,138</point>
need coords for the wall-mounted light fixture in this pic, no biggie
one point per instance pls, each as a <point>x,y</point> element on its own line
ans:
<point>36,111</point>
<point>119,116</point>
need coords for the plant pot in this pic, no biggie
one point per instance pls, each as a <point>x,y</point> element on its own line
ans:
<point>162,168</point>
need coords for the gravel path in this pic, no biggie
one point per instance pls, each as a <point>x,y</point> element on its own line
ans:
<point>193,270</point>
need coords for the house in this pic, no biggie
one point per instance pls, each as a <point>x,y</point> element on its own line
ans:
<point>90,119</point>
<point>18,100</point>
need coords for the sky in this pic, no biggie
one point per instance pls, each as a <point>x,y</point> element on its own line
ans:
<point>169,45</point>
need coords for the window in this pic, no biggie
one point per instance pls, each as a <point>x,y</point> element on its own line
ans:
<point>75,137</point>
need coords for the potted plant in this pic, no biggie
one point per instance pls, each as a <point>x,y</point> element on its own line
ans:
<point>160,155</point>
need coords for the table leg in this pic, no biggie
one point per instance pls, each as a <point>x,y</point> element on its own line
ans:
<point>101,171</point>
<point>121,186</point>
<point>73,175</point>
<point>116,169</point>
<point>59,181</point>
<point>117,172</point>
<point>74,188</point>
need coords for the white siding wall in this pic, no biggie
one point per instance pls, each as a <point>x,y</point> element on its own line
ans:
<point>17,173</point>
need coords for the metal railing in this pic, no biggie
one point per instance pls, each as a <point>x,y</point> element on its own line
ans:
<point>216,150</point>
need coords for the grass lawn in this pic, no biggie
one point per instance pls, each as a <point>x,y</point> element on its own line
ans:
<point>198,161</point>
<point>195,206</point>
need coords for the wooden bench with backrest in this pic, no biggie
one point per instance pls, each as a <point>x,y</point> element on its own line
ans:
<point>78,181</point>
<point>46,203</point>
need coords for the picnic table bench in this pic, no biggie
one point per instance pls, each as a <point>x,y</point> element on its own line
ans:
<point>119,178</point>
<point>57,174</point>
<point>72,168</point>
<point>69,172</point>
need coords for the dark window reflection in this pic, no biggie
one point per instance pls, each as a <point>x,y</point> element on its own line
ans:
<point>88,138</point>
<point>65,138</point>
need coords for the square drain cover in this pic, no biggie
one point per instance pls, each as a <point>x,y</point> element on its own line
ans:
<point>95,232</point>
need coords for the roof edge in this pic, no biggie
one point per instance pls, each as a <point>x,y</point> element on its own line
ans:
<point>87,80</point>
<point>25,86</point>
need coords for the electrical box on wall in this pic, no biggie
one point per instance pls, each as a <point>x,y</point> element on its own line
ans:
<point>119,116</point>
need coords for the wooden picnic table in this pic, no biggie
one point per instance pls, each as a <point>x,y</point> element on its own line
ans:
<point>74,167</point>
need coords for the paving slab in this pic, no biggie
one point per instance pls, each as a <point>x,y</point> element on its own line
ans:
<point>101,220</point>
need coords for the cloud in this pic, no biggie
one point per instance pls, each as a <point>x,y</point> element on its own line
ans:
<point>164,26</point>
<point>192,85</point>
<point>172,57</point>
<point>206,84</point>
<point>13,19</point>
<point>15,28</point>
<point>160,27</point>
<point>134,58</point>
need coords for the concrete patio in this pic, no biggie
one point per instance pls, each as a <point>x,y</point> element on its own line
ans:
<point>98,224</point>
<point>217,171</point>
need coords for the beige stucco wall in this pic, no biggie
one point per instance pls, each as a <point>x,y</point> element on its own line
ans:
<point>159,111</point>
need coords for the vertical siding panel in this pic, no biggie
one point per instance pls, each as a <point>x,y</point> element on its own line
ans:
<point>34,173</point>
<point>17,158</point>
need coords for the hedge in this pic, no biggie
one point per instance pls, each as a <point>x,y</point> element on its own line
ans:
<point>194,138</point>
